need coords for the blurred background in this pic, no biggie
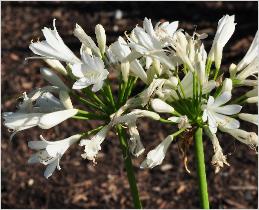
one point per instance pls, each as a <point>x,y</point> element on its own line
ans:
<point>80,184</point>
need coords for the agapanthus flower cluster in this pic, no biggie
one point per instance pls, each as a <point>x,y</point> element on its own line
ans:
<point>180,80</point>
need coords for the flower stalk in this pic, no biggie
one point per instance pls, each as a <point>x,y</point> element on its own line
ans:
<point>129,168</point>
<point>201,171</point>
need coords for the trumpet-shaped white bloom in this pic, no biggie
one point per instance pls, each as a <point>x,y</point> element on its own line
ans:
<point>90,72</point>
<point>249,138</point>
<point>156,156</point>
<point>216,114</point>
<point>251,54</point>
<point>53,47</point>
<point>252,118</point>
<point>160,106</point>
<point>226,28</point>
<point>49,153</point>
<point>162,31</point>
<point>40,109</point>
<point>149,46</point>
<point>93,145</point>
<point>218,159</point>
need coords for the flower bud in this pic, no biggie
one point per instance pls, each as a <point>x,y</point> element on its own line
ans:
<point>232,70</point>
<point>160,106</point>
<point>252,100</point>
<point>227,85</point>
<point>55,64</point>
<point>65,99</point>
<point>252,93</point>
<point>252,118</point>
<point>173,81</point>
<point>125,67</point>
<point>101,38</point>
<point>157,67</point>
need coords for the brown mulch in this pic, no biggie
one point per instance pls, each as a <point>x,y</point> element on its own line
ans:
<point>80,184</point>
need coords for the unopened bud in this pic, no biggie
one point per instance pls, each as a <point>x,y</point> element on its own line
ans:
<point>56,65</point>
<point>227,85</point>
<point>125,67</point>
<point>161,107</point>
<point>233,70</point>
<point>101,38</point>
<point>65,99</point>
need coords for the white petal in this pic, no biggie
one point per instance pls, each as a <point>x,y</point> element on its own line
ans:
<point>222,99</point>
<point>37,145</point>
<point>227,122</point>
<point>228,109</point>
<point>97,86</point>
<point>51,168</point>
<point>81,83</point>
<point>52,119</point>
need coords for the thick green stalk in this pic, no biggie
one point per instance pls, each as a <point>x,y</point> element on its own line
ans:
<point>203,191</point>
<point>129,168</point>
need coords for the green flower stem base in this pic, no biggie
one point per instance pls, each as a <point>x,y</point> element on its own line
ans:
<point>129,168</point>
<point>203,191</point>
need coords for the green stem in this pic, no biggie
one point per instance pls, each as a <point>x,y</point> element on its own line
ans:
<point>129,167</point>
<point>216,74</point>
<point>199,153</point>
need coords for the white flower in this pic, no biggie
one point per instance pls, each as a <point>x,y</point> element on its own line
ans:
<point>53,79</point>
<point>86,40</point>
<point>90,72</point>
<point>93,145</point>
<point>53,47</point>
<point>252,118</point>
<point>249,138</point>
<point>226,28</point>
<point>161,107</point>
<point>49,153</point>
<point>218,159</point>
<point>216,114</point>
<point>251,54</point>
<point>149,46</point>
<point>118,51</point>
<point>156,156</point>
<point>40,109</point>
<point>101,38</point>
<point>162,30</point>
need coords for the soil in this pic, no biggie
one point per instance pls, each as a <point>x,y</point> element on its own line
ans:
<point>80,184</point>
